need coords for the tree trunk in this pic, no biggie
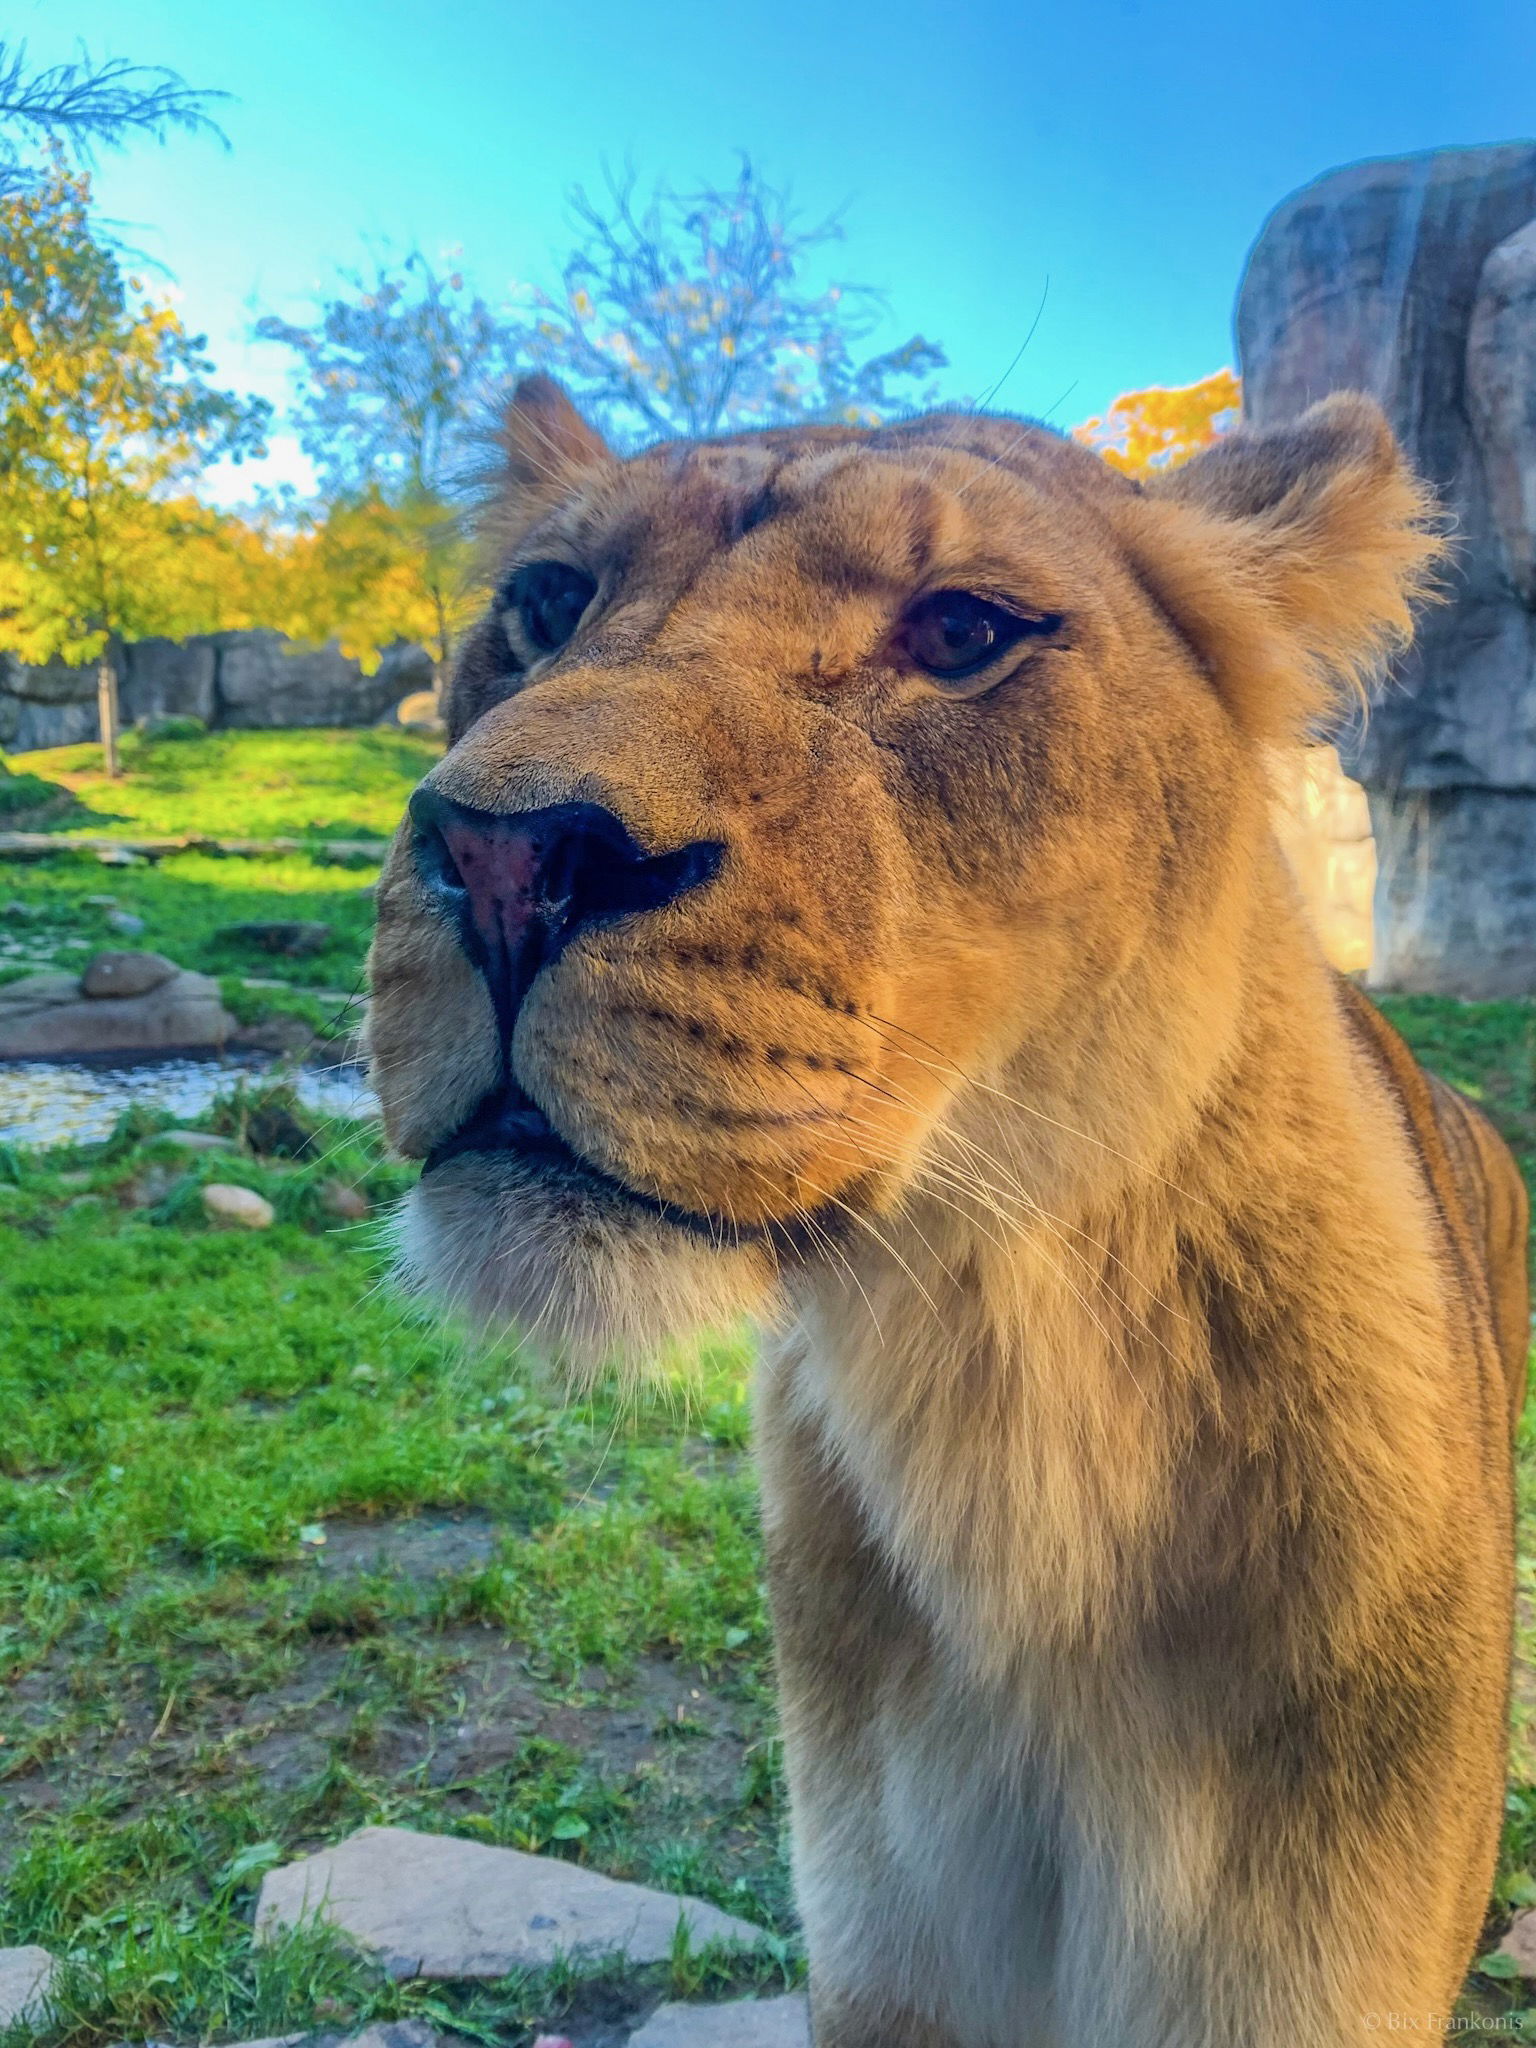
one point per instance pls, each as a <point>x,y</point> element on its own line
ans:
<point>106,713</point>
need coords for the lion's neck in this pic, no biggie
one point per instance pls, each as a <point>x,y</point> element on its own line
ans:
<point>1063,1417</point>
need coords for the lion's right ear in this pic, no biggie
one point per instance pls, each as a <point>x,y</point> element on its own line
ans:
<point>544,440</point>
<point>1291,560</point>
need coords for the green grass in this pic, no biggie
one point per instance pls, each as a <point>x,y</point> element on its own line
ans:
<point>242,785</point>
<point>47,912</point>
<point>192,1672</point>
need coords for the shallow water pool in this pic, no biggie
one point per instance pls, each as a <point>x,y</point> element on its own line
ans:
<point>47,1102</point>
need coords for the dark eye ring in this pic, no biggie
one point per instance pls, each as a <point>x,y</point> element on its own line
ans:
<point>549,599</point>
<point>952,634</point>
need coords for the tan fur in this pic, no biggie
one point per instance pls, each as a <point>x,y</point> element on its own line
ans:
<point>1142,1328</point>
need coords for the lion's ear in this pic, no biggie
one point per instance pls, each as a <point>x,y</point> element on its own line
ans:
<point>1291,559</point>
<point>544,440</point>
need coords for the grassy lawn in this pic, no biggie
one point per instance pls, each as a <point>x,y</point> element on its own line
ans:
<point>278,1557</point>
<point>236,785</point>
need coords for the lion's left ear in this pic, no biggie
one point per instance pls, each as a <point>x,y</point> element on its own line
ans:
<point>1291,559</point>
<point>545,442</point>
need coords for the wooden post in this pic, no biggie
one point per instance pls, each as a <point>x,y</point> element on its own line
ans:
<point>106,713</point>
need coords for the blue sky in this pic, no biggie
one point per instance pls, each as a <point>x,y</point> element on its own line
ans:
<point>1123,153</point>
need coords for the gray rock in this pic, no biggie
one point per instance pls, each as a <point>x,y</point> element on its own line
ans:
<point>54,682</point>
<point>194,1141</point>
<point>1501,398</point>
<point>168,679</point>
<point>435,1906</point>
<point>264,681</point>
<point>25,1974</point>
<point>281,1036</point>
<point>745,2023</point>
<point>126,924</point>
<point>1414,278</point>
<point>382,2034</point>
<point>246,679</point>
<point>51,986</point>
<point>126,974</point>
<point>46,1017</point>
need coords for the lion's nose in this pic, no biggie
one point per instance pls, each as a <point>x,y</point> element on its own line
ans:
<point>522,885</point>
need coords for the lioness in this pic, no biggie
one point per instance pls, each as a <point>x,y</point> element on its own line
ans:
<point>850,900</point>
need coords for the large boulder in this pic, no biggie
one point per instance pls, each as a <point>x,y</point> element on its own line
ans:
<point>126,1003</point>
<point>168,679</point>
<point>264,680</point>
<point>247,679</point>
<point>48,704</point>
<point>1414,278</point>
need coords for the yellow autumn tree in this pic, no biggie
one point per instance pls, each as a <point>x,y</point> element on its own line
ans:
<point>1164,425</point>
<point>106,415</point>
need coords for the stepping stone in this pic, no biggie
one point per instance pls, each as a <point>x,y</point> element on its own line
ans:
<point>745,2023</point>
<point>25,1974</point>
<point>436,1906</point>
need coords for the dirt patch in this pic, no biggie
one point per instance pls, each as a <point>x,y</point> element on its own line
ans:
<point>421,1549</point>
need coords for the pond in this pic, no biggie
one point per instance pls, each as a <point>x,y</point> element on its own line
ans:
<point>48,1102</point>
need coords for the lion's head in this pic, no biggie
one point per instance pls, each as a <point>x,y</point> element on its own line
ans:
<point>826,806</point>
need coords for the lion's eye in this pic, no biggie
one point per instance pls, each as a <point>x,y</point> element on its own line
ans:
<point>952,634</point>
<point>549,598</point>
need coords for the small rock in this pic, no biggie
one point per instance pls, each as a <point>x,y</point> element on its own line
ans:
<point>744,2023</point>
<point>126,974</point>
<point>194,1141</point>
<point>25,1974</point>
<point>294,939</point>
<point>16,912</point>
<point>1520,1943</point>
<point>276,1035</point>
<point>554,2041</point>
<point>100,902</point>
<point>119,857</point>
<point>348,1204</point>
<point>125,924</point>
<point>148,1188</point>
<point>227,1204</point>
<point>438,1906</point>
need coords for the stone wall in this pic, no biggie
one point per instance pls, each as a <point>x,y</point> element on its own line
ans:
<point>228,680</point>
<point>1414,278</point>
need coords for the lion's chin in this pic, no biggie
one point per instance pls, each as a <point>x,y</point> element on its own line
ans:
<point>582,1275</point>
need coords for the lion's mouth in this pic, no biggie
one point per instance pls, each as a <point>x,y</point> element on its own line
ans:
<point>508,1123</point>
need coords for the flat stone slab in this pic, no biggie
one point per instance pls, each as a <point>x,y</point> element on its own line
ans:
<point>25,1974</point>
<point>436,1906</point>
<point>383,2034</point>
<point>745,2023</point>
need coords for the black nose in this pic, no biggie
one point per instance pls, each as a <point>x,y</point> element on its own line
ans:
<point>522,885</point>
